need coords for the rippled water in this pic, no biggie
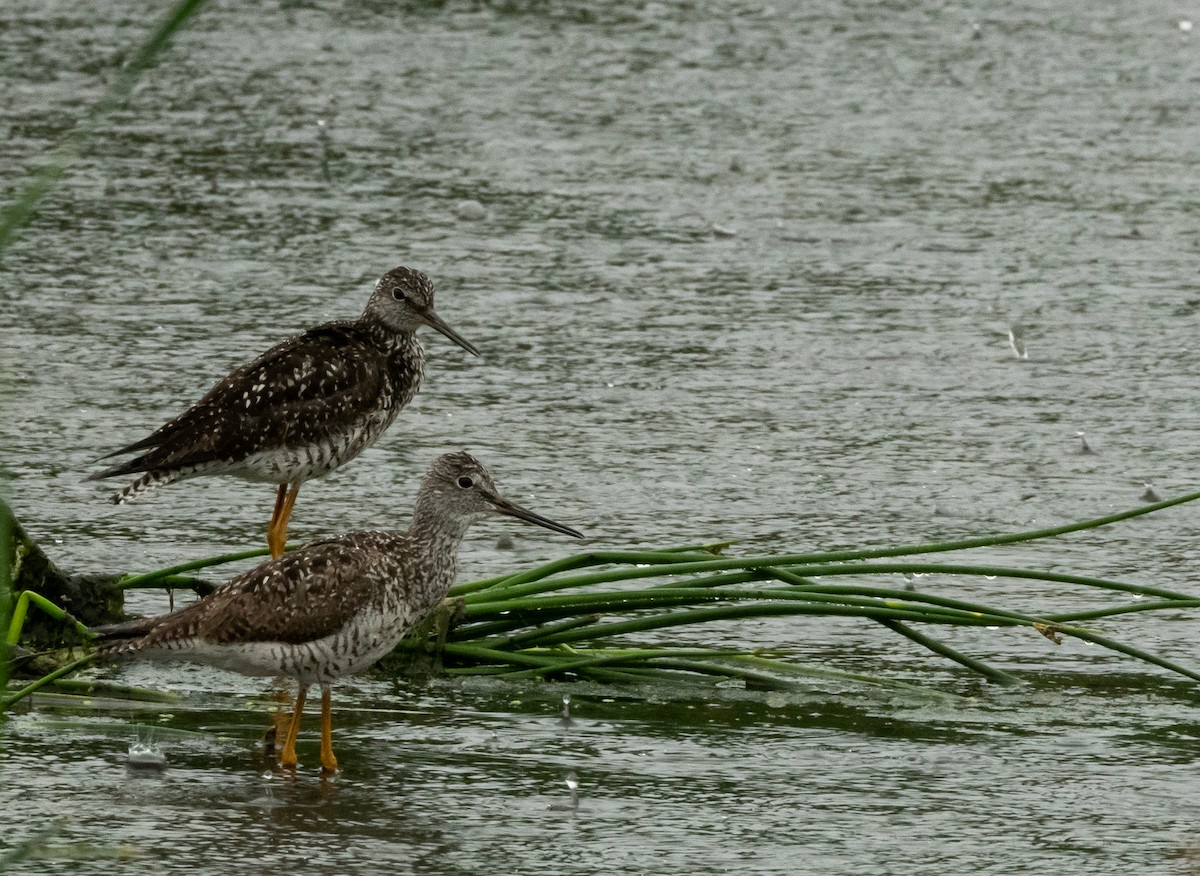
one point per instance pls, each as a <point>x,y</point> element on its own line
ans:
<point>739,271</point>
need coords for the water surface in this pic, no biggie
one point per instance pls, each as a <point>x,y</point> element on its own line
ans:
<point>739,271</point>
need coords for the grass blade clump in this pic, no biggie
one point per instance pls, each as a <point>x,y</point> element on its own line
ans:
<point>601,615</point>
<point>540,617</point>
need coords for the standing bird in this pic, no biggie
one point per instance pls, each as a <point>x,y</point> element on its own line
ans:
<point>334,607</point>
<point>302,408</point>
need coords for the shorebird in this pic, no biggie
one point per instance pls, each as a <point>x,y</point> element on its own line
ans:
<point>334,607</point>
<point>301,409</point>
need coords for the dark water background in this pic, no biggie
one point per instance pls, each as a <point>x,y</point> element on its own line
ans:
<point>739,271</point>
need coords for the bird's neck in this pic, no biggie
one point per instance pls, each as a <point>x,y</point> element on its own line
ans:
<point>405,358</point>
<point>439,539</point>
<point>442,535</point>
<point>393,341</point>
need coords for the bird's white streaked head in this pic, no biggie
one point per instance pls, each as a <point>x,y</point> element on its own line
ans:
<point>459,487</point>
<point>403,301</point>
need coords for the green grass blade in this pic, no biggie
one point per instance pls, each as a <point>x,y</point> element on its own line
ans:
<point>592,558</point>
<point>653,566</point>
<point>739,612</point>
<point>825,571</point>
<point>1113,645</point>
<point>1069,617</point>
<point>997,675</point>
<point>613,657</point>
<point>156,578</point>
<point>7,702</point>
<point>27,598</point>
<point>547,607</point>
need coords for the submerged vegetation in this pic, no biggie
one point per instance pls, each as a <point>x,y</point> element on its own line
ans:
<point>585,616</point>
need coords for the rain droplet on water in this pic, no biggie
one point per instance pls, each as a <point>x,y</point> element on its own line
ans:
<point>145,756</point>
<point>572,782</point>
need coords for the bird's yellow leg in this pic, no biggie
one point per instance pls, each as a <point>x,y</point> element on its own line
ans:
<point>328,761</point>
<point>272,530</point>
<point>287,759</point>
<point>285,515</point>
<point>281,720</point>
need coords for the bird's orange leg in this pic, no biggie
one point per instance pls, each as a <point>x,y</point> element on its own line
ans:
<point>281,719</point>
<point>274,525</point>
<point>328,761</point>
<point>287,759</point>
<point>277,531</point>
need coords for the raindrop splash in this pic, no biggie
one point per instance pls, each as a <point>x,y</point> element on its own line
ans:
<point>145,756</point>
<point>1016,340</point>
<point>573,788</point>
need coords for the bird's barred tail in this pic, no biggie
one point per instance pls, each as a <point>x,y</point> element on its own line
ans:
<point>149,481</point>
<point>113,639</point>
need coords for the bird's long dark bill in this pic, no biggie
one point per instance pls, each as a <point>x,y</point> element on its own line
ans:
<point>506,507</point>
<point>435,322</point>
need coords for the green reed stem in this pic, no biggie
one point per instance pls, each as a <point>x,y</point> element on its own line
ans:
<point>614,658</point>
<point>156,578</point>
<point>592,558</point>
<point>550,608</point>
<point>655,567</point>
<point>518,617</point>
<point>762,680</point>
<point>997,675</point>
<point>1132,608</point>
<point>27,598</point>
<point>7,702</point>
<point>833,674</point>
<point>749,667</point>
<point>824,571</point>
<point>738,612</point>
<point>488,661</point>
<point>522,640</point>
<point>92,688</point>
<point>1113,645</point>
<point>484,654</point>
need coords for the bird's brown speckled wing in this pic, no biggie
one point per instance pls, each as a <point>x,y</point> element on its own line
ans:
<point>301,597</point>
<point>284,398</point>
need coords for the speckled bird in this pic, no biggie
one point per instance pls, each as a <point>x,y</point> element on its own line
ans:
<point>335,607</point>
<point>302,408</point>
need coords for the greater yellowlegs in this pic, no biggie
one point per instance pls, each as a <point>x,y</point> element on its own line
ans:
<point>302,408</point>
<point>333,607</point>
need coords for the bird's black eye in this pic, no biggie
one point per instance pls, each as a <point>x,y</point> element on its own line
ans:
<point>465,482</point>
<point>398,294</point>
